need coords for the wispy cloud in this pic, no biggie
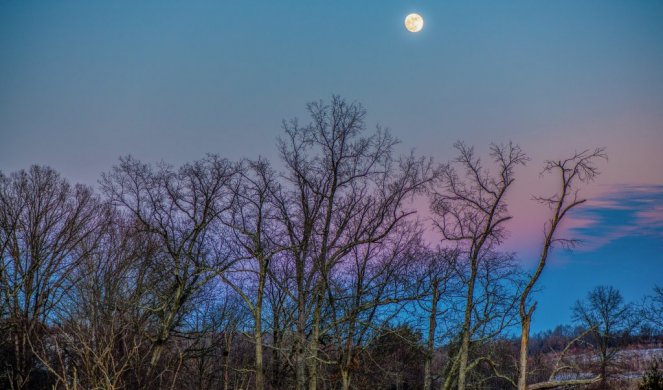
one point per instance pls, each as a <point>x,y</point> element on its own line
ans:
<point>623,211</point>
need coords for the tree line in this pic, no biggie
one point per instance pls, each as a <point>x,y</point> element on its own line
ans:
<point>315,275</point>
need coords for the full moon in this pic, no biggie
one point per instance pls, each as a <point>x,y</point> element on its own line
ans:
<point>414,23</point>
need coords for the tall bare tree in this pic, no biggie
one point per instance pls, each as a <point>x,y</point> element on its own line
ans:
<point>497,287</point>
<point>281,311</point>
<point>43,222</point>
<point>98,340</point>
<point>470,210</point>
<point>438,282</point>
<point>180,210</point>
<point>573,172</point>
<point>252,220</point>
<point>344,189</point>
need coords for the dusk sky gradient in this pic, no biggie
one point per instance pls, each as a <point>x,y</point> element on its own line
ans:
<point>84,82</point>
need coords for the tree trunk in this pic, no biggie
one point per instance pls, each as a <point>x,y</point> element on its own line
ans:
<point>23,366</point>
<point>432,324</point>
<point>524,339</point>
<point>315,335</point>
<point>260,375</point>
<point>301,366</point>
<point>465,342</point>
<point>348,356</point>
<point>276,379</point>
<point>604,373</point>
<point>301,347</point>
<point>165,325</point>
<point>447,384</point>
<point>464,352</point>
<point>300,350</point>
<point>227,348</point>
<point>345,378</point>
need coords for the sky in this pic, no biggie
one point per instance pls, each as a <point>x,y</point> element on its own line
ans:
<point>84,82</point>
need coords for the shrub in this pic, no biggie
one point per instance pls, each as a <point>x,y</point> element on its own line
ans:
<point>653,379</point>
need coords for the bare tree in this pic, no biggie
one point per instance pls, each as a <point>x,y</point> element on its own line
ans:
<point>43,220</point>
<point>252,220</point>
<point>497,288</point>
<point>344,190</point>
<point>572,173</point>
<point>470,211</point>
<point>180,210</point>
<point>605,312</point>
<point>99,337</point>
<point>653,308</point>
<point>367,291</point>
<point>280,319</point>
<point>439,282</point>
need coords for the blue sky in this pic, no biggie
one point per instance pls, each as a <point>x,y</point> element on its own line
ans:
<point>84,82</point>
<point>621,235</point>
